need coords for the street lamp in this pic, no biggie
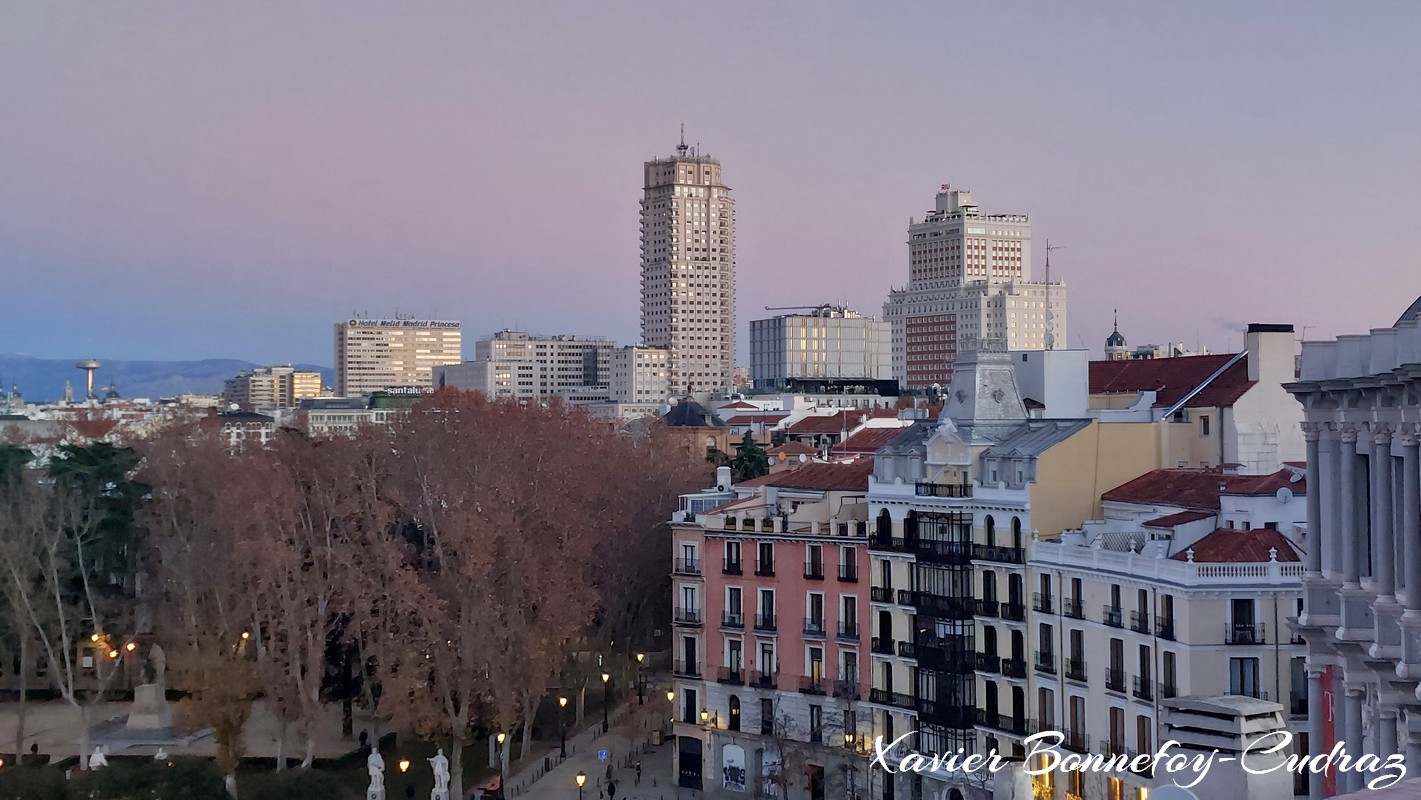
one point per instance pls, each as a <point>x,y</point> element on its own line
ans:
<point>498,751</point>
<point>562,727</point>
<point>581,779</point>
<point>606,698</point>
<point>640,657</point>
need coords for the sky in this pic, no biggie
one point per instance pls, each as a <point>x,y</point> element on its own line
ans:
<point>192,180</point>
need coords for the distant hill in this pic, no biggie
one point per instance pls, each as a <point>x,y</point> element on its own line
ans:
<point>43,378</point>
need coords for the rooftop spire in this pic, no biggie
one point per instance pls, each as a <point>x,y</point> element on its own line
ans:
<point>682,148</point>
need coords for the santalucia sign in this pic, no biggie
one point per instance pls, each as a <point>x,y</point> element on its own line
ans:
<point>1185,768</point>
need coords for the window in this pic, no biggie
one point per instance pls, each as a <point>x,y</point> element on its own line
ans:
<point>1204,425</point>
<point>1144,735</point>
<point>1115,789</point>
<point>1243,676</point>
<point>734,609</point>
<point>732,556</point>
<point>1117,730</point>
<point>767,717</point>
<point>816,724</point>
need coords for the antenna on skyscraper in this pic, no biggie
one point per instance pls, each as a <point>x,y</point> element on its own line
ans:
<point>681,148</point>
<point>1050,316</point>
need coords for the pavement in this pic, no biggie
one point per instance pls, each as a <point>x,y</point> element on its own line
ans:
<point>626,742</point>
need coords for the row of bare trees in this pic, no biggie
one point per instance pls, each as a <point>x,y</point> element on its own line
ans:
<point>441,571</point>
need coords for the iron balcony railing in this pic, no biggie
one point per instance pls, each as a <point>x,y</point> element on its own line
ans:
<point>728,567</point>
<point>1244,633</point>
<point>814,627</point>
<point>987,608</point>
<point>1168,690</point>
<point>1046,662</point>
<point>765,622</point>
<point>881,645</point>
<point>1071,607</point>
<point>881,594</point>
<point>989,662</point>
<point>765,569</point>
<point>1014,612</point>
<point>925,489</point>
<point>687,566</point>
<point>687,616</point>
<point>1113,616</point>
<point>1014,668</point>
<point>1002,555</point>
<point>764,680</point>
<point>731,675</point>
<point>1075,669</point>
<point>1139,622</point>
<point>814,570</point>
<point>1164,627</point>
<point>811,685</point>
<point>849,631</point>
<point>1144,687</point>
<point>733,621</point>
<point>1002,722</point>
<point>1115,680</point>
<point>687,669</point>
<point>887,698</point>
<point>849,573</point>
<point>1043,603</point>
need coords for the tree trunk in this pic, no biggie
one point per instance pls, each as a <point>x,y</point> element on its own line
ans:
<point>456,772</point>
<point>310,749</point>
<point>581,703</point>
<point>24,699</point>
<point>530,709</point>
<point>230,782</point>
<point>83,736</point>
<point>281,745</point>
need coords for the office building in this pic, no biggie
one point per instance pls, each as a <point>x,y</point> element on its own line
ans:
<point>374,355</point>
<point>828,342</point>
<point>524,366</point>
<point>271,387</point>
<point>969,277</point>
<point>1361,616</point>
<point>688,269</point>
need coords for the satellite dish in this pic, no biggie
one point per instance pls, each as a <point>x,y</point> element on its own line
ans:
<point>803,458</point>
<point>1284,494</point>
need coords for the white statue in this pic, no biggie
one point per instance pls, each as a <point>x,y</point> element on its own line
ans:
<point>98,759</point>
<point>161,755</point>
<point>376,766</point>
<point>440,764</point>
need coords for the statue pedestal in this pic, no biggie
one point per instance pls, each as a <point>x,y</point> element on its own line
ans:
<point>150,709</point>
<point>375,793</point>
<point>438,794</point>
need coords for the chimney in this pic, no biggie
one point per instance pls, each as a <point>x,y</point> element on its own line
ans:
<point>1271,349</point>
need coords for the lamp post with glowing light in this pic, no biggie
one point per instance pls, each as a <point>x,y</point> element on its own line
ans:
<point>562,727</point>
<point>498,753</point>
<point>581,779</point>
<point>606,699</point>
<point>640,657</point>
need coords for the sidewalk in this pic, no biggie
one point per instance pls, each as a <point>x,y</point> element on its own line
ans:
<point>626,742</point>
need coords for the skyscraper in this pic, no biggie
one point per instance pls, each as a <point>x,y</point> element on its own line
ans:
<point>688,269</point>
<point>382,354</point>
<point>969,277</point>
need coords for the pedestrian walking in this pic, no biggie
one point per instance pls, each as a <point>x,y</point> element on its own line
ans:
<point>638,774</point>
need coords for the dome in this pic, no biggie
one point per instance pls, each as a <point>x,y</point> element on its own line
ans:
<point>1115,339</point>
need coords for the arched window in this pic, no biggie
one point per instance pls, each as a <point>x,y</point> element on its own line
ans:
<point>1016,532</point>
<point>991,531</point>
<point>734,712</point>
<point>885,527</point>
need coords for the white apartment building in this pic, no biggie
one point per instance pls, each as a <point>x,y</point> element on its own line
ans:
<point>339,416</point>
<point>271,387</point>
<point>688,269</point>
<point>639,374</point>
<point>1181,591</point>
<point>524,366</point>
<point>828,342</point>
<point>969,277</point>
<point>374,355</point>
<point>1362,610</point>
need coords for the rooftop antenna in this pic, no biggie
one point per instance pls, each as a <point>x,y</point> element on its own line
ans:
<point>1050,315</point>
<point>681,148</point>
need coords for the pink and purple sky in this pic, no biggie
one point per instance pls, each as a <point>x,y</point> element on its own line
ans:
<point>188,180</point>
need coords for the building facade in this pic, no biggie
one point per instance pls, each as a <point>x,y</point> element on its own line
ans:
<point>374,355</point>
<point>271,387</point>
<point>829,342</point>
<point>524,366</point>
<point>639,374</point>
<point>769,639</point>
<point>1362,610</point>
<point>688,269</point>
<point>969,277</point>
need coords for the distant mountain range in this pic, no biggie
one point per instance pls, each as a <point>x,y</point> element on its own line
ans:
<point>43,378</point>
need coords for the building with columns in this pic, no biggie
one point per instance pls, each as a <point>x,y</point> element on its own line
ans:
<point>1361,615</point>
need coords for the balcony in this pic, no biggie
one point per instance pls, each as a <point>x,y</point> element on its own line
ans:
<point>1164,627</point>
<point>686,566</point>
<point>1014,668</point>
<point>814,570</point>
<point>848,573</point>
<point>686,669</point>
<point>1075,669</point>
<point>937,605</point>
<point>1244,633</point>
<point>731,675</point>
<point>765,622</point>
<point>1014,612</point>
<point>1046,662</point>
<point>1115,680</point>
<point>814,627</point>
<point>943,552</point>
<point>810,685</point>
<point>1015,726</point>
<point>733,621</point>
<point>1043,603</point>
<point>896,544</point>
<point>687,616</point>
<point>923,489</point>
<point>728,567</point>
<point>989,662</point>
<point>1298,705</point>
<point>846,689</point>
<point>907,650</point>
<point>1001,555</point>
<point>1144,688</point>
<point>1167,690</point>
<point>1139,622</point>
<point>763,680</point>
<point>882,645</point>
<point>765,569</point>
<point>881,594</point>
<point>848,631</point>
<point>1071,607</point>
<point>987,608</point>
<point>1113,616</point>
<point>886,698</point>
<point>1076,741</point>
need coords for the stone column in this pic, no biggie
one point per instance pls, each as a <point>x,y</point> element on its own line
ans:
<point>1413,749</point>
<point>1384,546</point>
<point>1316,714</point>
<point>1332,474</point>
<point>1386,742</point>
<point>1352,736</point>
<point>1352,548</point>
<point>1311,431</point>
<point>1411,516</point>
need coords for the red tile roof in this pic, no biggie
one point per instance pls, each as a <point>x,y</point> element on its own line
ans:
<point>793,448</point>
<point>1173,378</point>
<point>1226,545</point>
<point>1200,488</point>
<point>820,477</point>
<point>837,423</point>
<point>865,442</point>
<point>1182,518</point>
